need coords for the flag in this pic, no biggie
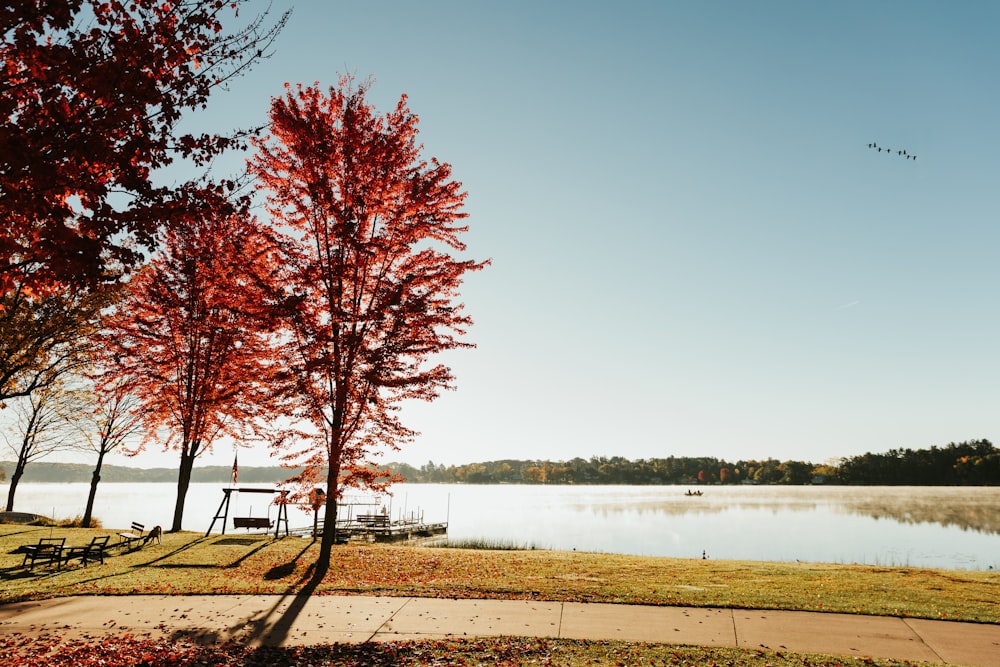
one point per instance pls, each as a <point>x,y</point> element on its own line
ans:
<point>236,469</point>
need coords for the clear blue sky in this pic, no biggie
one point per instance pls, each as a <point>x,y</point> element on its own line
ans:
<point>694,251</point>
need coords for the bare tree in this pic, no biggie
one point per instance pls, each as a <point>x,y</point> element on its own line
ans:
<point>44,423</point>
<point>113,420</point>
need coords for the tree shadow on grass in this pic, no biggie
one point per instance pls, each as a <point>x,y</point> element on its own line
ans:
<point>285,569</point>
<point>27,529</point>
<point>259,545</point>
<point>23,572</point>
<point>177,550</point>
<point>239,561</point>
<point>159,562</point>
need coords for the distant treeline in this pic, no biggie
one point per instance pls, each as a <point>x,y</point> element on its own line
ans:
<point>967,463</point>
<point>975,462</point>
<point>41,471</point>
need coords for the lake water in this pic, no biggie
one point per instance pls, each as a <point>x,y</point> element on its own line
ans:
<point>945,527</point>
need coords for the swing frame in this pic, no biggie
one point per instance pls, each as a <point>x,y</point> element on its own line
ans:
<point>252,522</point>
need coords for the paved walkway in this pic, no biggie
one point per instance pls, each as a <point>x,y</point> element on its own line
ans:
<point>288,620</point>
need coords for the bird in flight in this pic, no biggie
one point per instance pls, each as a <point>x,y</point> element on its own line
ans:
<point>888,151</point>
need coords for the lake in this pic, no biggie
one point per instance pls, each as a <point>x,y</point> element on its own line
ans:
<point>941,527</point>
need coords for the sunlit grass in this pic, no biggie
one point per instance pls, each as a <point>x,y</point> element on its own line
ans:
<point>189,563</point>
<point>490,544</point>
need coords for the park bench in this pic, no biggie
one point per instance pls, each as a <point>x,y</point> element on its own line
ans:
<point>252,522</point>
<point>135,536</point>
<point>48,550</point>
<point>87,553</point>
<point>374,521</point>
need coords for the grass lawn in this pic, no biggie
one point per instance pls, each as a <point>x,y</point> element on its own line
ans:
<point>188,563</point>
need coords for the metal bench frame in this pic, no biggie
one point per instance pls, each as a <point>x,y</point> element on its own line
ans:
<point>88,553</point>
<point>48,550</point>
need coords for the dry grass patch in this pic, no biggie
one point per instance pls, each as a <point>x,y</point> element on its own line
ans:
<point>188,563</point>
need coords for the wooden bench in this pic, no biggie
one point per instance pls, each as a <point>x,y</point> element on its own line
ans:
<point>374,521</point>
<point>48,550</point>
<point>126,540</point>
<point>87,553</point>
<point>252,522</point>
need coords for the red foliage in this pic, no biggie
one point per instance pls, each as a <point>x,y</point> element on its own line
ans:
<point>132,652</point>
<point>194,337</point>
<point>129,652</point>
<point>370,283</point>
<point>91,92</point>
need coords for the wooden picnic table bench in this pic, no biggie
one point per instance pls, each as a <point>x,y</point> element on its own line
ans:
<point>377,521</point>
<point>88,552</point>
<point>48,550</point>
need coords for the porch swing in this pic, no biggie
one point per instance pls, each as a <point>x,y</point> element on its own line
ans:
<point>251,521</point>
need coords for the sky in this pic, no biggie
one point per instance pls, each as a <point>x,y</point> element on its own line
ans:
<point>694,251</point>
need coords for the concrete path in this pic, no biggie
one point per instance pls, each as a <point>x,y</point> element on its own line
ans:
<point>288,620</point>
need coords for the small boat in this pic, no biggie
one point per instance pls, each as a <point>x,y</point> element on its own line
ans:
<point>693,493</point>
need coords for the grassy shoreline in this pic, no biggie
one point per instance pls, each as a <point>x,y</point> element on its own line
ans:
<point>190,563</point>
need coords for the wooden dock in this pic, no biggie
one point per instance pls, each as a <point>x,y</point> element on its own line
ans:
<point>390,531</point>
<point>396,531</point>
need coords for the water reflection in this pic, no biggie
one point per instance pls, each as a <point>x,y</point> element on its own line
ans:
<point>969,508</point>
<point>975,509</point>
<point>915,526</point>
<point>873,525</point>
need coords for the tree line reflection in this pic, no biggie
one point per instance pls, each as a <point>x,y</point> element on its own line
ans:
<point>969,508</point>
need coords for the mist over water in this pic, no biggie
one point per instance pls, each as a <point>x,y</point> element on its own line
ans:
<point>944,527</point>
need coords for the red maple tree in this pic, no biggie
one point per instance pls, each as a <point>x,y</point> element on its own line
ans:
<point>371,284</point>
<point>194,339</point>
<point>91,93</point>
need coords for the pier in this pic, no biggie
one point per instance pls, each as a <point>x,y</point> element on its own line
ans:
<point>403,530</point>
<point>354,530</point>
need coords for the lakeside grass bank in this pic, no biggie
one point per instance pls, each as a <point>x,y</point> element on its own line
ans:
<point>189,563</point>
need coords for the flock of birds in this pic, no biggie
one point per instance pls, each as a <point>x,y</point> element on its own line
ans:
<point>889,151</point>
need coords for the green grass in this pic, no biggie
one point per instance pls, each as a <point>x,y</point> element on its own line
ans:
<point>188,563</point>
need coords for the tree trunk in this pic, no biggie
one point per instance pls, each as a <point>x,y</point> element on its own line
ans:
<point>329,526</point>
<point>14,479</point>
<point>94,479</point>
<point>183,481</point>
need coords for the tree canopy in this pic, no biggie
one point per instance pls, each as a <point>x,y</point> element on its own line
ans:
<point>91,94</point>
<point>371,284</point>
<point>192,338</point>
